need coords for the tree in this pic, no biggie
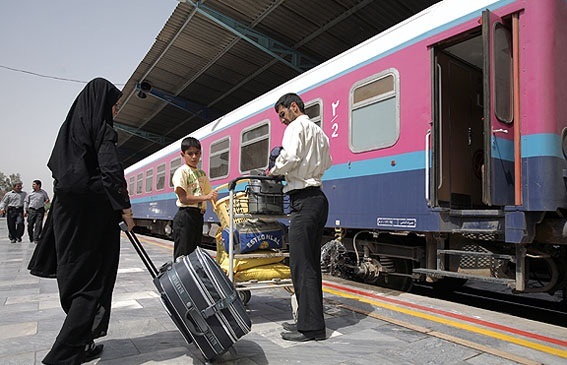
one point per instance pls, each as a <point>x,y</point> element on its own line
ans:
<point>7,181</point>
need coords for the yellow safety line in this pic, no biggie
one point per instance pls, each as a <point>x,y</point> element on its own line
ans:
<point>448,322</point>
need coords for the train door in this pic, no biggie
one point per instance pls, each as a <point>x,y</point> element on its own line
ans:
<point>498,188</point>
<point>472,153</point>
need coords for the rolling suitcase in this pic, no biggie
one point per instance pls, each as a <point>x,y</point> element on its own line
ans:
<point>200,299</point>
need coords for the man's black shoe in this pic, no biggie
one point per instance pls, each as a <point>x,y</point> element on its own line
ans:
<point>19,239</point>
<point>92,351</point>
<point>12,241</point>
<point>300,337</point>
<point>291,327</point>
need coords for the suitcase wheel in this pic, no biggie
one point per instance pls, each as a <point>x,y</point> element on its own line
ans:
<point>245,296</point>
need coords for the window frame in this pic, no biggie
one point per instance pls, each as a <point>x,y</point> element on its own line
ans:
<point>139,183</point>
<point>132,185</point>
<point>256,140</point>
<point>150,188</point>
<point>395,93</point>
<point>211,155</point>
<point>172,171</point>
<point>164,176</point>
<point>312,103</point>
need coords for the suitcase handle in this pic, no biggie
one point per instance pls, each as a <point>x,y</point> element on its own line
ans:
<point>221,304</point>
<point>140,250</point>
<point>195,320</point>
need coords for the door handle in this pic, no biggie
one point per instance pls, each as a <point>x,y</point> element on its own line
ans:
<point>500,131</point>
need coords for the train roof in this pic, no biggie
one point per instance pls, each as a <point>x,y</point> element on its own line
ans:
<point>427,22</point>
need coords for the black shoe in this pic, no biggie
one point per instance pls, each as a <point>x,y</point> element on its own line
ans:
<point>19,239</point>
<point>300,337</point>
<point>291,327</point>
<point>12,241</point>
<point>92,351</point>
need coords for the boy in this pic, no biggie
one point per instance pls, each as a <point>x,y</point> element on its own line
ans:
<point>193,190</point>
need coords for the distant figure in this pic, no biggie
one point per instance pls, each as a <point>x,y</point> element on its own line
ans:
<point>193,190</point>
<point>302,161</point>
<point>90,200</point>
<point>13,205</point>
<point>34,210</point>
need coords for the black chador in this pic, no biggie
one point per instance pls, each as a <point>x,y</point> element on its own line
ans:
<point>90,194</point>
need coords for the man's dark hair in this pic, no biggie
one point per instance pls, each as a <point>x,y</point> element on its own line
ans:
<point>37,182</point>
<point>190,142</point>
<point>287,99</point>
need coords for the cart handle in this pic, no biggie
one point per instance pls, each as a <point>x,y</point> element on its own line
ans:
<point>232,184</point>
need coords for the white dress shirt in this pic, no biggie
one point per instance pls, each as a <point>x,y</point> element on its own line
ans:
<point>305,155</point>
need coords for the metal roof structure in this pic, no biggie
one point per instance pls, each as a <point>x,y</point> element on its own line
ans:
<point>213,56</point>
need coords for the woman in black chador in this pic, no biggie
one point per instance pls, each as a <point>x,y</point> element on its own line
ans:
<point>91,199</point>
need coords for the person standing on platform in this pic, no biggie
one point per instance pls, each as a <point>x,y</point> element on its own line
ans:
<point>90,200</point>
<point>302,161</point>
<point>193,190</point>
<point>34,210</point>
<point>13,205</point>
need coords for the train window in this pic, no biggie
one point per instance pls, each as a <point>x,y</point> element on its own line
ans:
<point>149,180</point>
<point>139,181</point>
<point>173,165</point>
<point>313,111</point>
<point>131,185</point>
<point>374,119</point>
<point>160,177</point>
<point>504,81</point>
<point>219,159</point>
<point>254,147</point>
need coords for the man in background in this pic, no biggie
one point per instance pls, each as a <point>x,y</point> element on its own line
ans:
<point>34,210</point>
<point>13,205</point>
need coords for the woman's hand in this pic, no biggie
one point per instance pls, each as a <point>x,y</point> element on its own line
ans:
<point>128,218</point>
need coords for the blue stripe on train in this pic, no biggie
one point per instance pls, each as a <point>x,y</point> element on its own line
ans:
<point>393,187</point>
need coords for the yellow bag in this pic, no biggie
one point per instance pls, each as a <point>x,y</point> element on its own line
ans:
<point>265,272</point>
<point>244,264</point>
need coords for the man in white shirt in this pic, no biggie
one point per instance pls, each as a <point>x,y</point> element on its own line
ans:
<point>302,161</point>
<point>34,210</point>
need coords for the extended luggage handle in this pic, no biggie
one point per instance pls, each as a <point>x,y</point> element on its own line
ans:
<point>233,183</point>
<point>140,250</point>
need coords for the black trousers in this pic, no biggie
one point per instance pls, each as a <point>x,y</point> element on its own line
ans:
<point>309,211</point>
<point>187,231</point>
<point>87,241</point>
<point>15,221</point>
<point>35,223</point>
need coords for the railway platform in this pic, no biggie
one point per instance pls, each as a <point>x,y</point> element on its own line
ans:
<point>366,325</point>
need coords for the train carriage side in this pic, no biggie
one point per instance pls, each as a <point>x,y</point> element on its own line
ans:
<point>447,149</point>
<point>473,186</point>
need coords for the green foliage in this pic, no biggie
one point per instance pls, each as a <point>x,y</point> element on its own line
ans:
<point>7,181</point>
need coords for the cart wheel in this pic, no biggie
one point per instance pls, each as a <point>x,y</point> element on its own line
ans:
<point>245,296</point>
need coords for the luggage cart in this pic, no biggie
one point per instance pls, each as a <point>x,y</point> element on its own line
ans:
<point>247,202</point>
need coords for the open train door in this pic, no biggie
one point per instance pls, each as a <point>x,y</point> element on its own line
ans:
<point>498,169</point>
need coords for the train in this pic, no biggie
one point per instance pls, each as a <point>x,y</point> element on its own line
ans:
<point>448,136</point>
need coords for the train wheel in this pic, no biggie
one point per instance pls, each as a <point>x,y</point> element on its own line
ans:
<point>245,296</point>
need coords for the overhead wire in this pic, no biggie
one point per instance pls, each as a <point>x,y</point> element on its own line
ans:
<point>47,76</point>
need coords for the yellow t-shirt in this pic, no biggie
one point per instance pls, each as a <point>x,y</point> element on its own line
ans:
<point>194,182</point>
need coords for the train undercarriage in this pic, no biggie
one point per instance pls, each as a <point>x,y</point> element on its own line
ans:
<point>446,261</point>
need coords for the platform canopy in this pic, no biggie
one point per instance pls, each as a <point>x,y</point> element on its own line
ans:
<point>213,56</point>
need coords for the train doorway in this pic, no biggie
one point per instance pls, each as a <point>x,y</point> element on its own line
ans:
<point>472,133</point>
